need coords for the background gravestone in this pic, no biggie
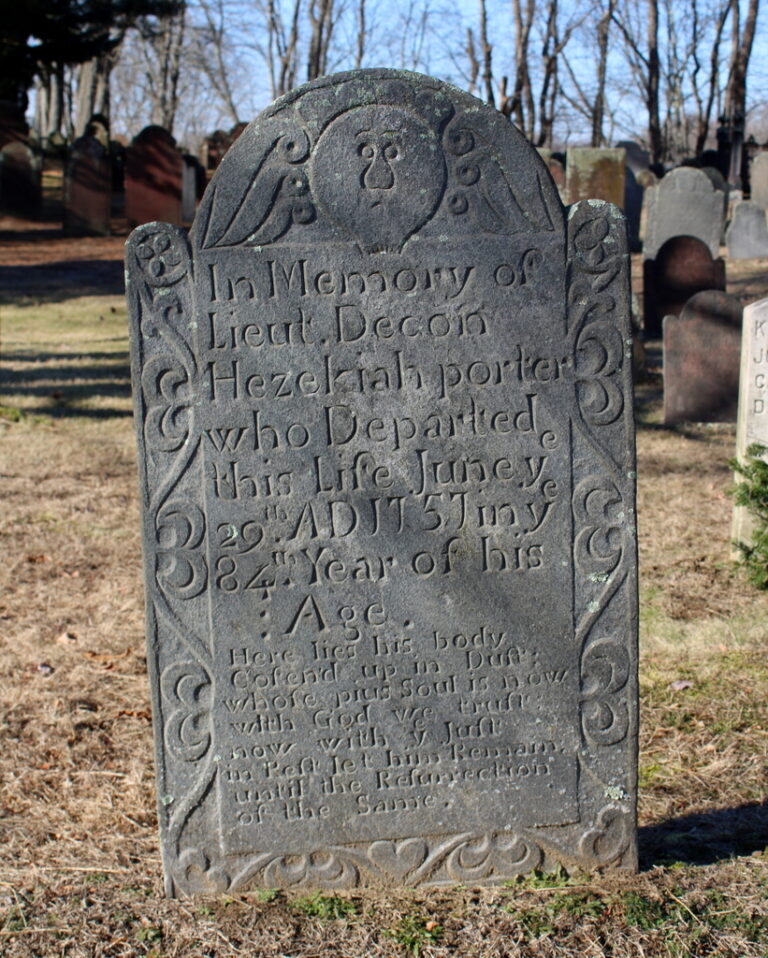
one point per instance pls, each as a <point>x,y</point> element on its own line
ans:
<point>153,177</point>
<point>192,187</point>
<point>701,360</point>
<point>685,203</point>
<point>758,180</point>
<point>388,484</point>
<point>682,268</point>
<point>20,178</point>
<point>595,173</point>
<point>752,422</point>
<point>747,233</point>
<point>88,188</point>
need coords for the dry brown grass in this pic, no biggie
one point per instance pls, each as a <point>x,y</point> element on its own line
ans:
<point>80,874</point>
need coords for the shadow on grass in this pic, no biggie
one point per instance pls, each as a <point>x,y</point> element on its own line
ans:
<point>706,837</point>
<point>62,280</point>
<point>67,386</point>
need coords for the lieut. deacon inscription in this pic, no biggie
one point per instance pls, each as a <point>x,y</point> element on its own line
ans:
<point>386,449</point>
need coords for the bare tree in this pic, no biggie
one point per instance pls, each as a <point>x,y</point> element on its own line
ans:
<point>209,52</point>
<point>487,55</point>
<point>704,93</point>
<point>736,91</point>
<point>321,19</point>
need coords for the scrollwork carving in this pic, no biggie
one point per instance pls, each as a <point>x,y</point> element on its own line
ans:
<point>600,518</point>
<point>186,688</point>
<point>609,839</point>
<point>181,570</point>
<point>502,854</point>
<point>605,671</point>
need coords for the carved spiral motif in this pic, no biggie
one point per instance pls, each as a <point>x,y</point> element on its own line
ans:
<point>597,505</point>
<point>609,839</point>
<point>199,876</point>
<point>186,690</point>
<point>323,868</point>
<point>181,569</point>
<point>497,853</point>
<point>604,675</point>
<point>599,356</point>
<point>167,390</point>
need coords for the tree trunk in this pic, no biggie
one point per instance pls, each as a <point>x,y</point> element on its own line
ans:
<point>92,90</point>
<point>168,46</point>
<point>603,34</point>
<point>487,55</point>
<point>736,92</point>
<point>652,84</point>
<point>521,104</point>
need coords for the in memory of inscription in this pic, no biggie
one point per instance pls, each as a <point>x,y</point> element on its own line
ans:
<point>384,411</point>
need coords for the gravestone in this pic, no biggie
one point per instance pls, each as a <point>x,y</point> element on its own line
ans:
<point>685,203</point>
<point>192,187</point>
<point>20,178</point>
<point>595,173</point>
<point>153,178</point>
<point>752,421</point>
<point>682,268</point>
<point>88,188</point>
<point>637,158</point>
<point>747,233</point>
<point>701,360</point>
<point>384,415</point>
<point>758,180</point>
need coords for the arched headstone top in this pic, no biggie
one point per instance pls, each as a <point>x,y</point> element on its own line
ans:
<point>381,157</point>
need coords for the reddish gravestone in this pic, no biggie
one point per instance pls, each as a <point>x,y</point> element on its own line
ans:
<point>702,349</point>
<point>683,267</point>
<point>87,188</point>
<point>153,176</point>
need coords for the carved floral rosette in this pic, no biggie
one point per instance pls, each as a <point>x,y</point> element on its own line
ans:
<point>478,191</point>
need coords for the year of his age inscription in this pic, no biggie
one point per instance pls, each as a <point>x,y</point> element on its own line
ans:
<point>378,442</point>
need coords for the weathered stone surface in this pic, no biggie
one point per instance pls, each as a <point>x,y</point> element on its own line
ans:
<point>384,414</point>
<point>153,178</point>
<point>87,188</point>
<point>685,203</point>
<point>758,180</point>
<point>595,173</point>
<point>747,233</point>
<point>682,268</point>
<point>752,422</point>
<point>701,360</point>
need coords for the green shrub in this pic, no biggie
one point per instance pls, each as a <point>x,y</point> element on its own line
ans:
<point>752,494</point>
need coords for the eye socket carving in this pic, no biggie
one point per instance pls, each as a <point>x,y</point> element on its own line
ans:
<point>391,152</point>
<point>366,150</point>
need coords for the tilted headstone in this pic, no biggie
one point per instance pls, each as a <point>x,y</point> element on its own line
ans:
<point>384,414</point>
<point>747,233</point>
<point>153,178</point>
<point>701,360</point>
<point>758,180</point>
<point>88,188</point>
<point>685,203</point>
<point>20,178</point>
<point>752,421</point>
<point>595,173</point>
<point>682,268</point>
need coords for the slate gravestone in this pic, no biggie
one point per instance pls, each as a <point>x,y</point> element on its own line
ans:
<point>387,477</point>
<point>685,203</point>
<point>701,360</point>
<point>637,158</point>
<point>595,173</point>
<point>88,188</point>
<point>153,178</point>
<point>747,233</point>
<point>752,421</point>
<point>758,180</point>
<point>682,268</point>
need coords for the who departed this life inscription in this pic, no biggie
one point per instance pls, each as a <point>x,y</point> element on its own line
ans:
<point>384,413</point>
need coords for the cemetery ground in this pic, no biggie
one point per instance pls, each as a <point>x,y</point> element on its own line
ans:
<point>81,873</point>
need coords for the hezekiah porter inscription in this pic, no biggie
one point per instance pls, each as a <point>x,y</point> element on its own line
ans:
<point>386,451</point>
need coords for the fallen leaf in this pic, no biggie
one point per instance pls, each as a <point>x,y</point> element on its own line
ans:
<point>45,669</point>
<point>680,684</point>
<point>38,558</point>
<point>67,637</point>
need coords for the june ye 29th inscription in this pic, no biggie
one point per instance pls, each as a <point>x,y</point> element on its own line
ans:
<point>379,528</point>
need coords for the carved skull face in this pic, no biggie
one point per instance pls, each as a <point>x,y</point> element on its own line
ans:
<point>379,173</point>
